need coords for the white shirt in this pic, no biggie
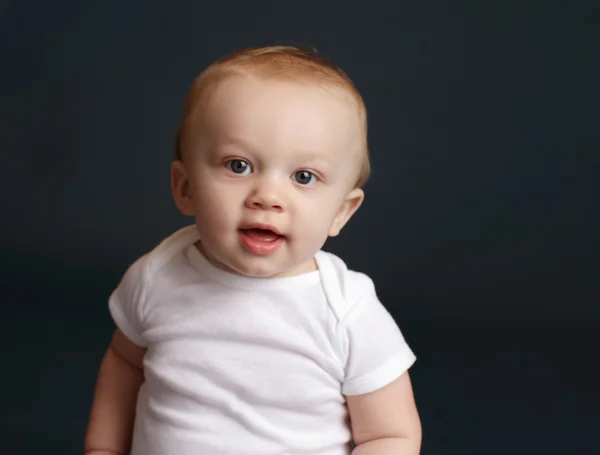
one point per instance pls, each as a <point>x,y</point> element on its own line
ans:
<point>239,365</point>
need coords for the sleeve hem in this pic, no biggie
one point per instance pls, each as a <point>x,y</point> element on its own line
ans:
<point>384,375</point>
<point>122,323</point>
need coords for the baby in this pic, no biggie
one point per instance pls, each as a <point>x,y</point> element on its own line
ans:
<point>239,334</point>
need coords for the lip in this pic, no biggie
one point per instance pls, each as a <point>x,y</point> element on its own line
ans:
<point>265,227</point>
<point>258,247</point>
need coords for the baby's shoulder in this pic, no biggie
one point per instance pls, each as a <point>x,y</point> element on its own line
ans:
<point>147,266</point>
<point>170,247</point>
<point>346,287</point>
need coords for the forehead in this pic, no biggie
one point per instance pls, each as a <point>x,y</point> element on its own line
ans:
<point>286,116</point>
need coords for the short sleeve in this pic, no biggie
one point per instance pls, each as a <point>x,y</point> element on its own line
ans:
<point>377,351</point>
<point>126,302</point>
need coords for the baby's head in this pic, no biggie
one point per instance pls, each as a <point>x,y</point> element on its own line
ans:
<point>271,157</point>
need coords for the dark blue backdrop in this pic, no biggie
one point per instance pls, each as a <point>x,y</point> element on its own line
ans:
<point>480,224</point>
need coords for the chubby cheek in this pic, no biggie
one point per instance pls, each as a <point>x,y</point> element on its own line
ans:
<point>316,221</point>
<point>215,207</point>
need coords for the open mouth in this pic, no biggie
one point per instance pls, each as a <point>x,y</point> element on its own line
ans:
<point>261,235</point>
<point>261,240</point>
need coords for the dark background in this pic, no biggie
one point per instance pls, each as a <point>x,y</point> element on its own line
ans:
<point>479,228</point>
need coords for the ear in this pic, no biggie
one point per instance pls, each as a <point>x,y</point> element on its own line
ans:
<point>180,188</point>
<point>350,205</point>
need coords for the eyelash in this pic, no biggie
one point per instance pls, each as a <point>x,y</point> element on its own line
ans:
<point>229,164</point>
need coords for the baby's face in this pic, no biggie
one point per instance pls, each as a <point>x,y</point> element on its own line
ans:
<point>271,171</point>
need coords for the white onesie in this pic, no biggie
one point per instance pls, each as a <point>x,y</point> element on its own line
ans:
<point>239,365</point>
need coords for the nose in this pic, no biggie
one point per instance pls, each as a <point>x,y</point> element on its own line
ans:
<point>265,195</point>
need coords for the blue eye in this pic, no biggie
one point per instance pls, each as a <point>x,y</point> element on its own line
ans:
<point>238,166</point>
<point>305,177</point>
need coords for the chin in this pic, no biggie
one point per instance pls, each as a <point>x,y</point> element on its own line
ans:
<point>264,268</point>
<point>258,272</point>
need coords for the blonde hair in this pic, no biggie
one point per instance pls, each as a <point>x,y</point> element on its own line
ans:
<point>280,62</point>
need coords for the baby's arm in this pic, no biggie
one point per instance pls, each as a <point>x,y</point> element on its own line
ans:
<point>113,410</point>
<point>386,421</point>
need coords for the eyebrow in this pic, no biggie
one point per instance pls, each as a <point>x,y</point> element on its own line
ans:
<point>227,140</point>
<point>314,157</point>
<point>219,142</point>
<point>301,155</point>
